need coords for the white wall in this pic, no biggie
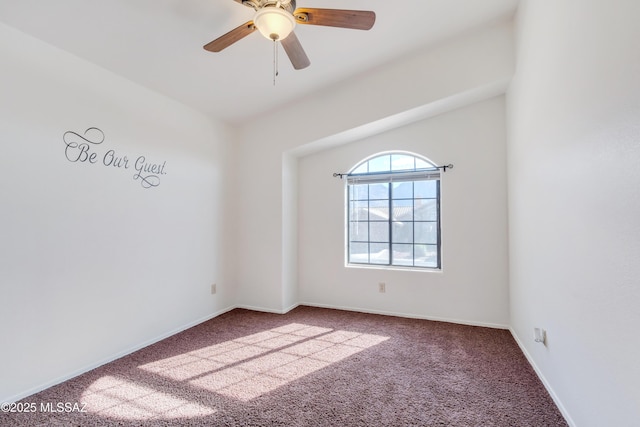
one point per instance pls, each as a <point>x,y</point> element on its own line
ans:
<point>93,265</point>
<point>450,73</point>
<point>472,285</point>
<point>574,204</point>
<point>290,294</point>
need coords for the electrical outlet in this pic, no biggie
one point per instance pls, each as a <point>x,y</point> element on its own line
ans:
<point>213,289</point>
<point>382,287</point>
<point>540,335</point>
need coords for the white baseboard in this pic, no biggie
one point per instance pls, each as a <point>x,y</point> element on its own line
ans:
<point>111,358</point>
<point>267,310</point>
<point>410,315</point>
<point>286,310</point>
<point>544,381</point>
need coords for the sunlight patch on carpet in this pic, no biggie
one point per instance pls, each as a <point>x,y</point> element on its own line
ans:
<point>248,367</point>
<point>124,399</point>
<point>261,367</point>
<point>205,360</point>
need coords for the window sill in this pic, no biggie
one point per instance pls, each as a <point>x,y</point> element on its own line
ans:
<point>393,268</point>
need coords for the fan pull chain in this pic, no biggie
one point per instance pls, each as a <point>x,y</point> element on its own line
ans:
<point>275,60</point>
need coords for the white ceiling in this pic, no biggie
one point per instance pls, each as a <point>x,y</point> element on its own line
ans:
<point>158,44</point>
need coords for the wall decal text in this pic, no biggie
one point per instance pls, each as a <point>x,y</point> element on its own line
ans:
<point>83,148</point>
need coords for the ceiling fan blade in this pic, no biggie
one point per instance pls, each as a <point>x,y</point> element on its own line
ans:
<point>355,19</point>
<point>295,52</point>
<point>231,37</point>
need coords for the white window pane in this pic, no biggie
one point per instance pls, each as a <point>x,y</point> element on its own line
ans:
<point>426,189</point>
<point>402,162</point>
<point>402,232</point>
<point>379,210</point>
<point>426,256</point>
<point>403,255</point>
<point>380,164</point>
<point>403,210</point>
<point>379,191</point>
<point>361,169</point>
<point>359,211</point>
<point>359,253</point>
<point>426,232</point>
<point>426,210</point>
<point>379,253</point>
<point>358,192</point>
<point>379,231</point>
<point>421,164</point>
<point>402,190</point>
<point>359,232</point>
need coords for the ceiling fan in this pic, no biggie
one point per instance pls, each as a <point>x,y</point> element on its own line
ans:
<point>277,19</point>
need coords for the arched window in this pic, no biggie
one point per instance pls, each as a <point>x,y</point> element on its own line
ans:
<point>393,212</point>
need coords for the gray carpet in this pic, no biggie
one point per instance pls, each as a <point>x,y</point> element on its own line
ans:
<point>309,367</point>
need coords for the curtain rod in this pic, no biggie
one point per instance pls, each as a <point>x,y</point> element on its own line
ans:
<point>444,169</point>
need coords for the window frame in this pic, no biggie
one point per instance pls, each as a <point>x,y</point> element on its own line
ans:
<point>428,171</point>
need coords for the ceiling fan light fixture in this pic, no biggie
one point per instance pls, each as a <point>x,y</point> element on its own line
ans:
<point>274,23</point>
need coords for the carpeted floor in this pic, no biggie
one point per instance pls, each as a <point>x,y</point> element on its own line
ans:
<point>310,367</point>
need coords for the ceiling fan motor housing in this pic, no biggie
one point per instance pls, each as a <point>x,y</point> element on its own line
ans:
<point>288,5</point>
